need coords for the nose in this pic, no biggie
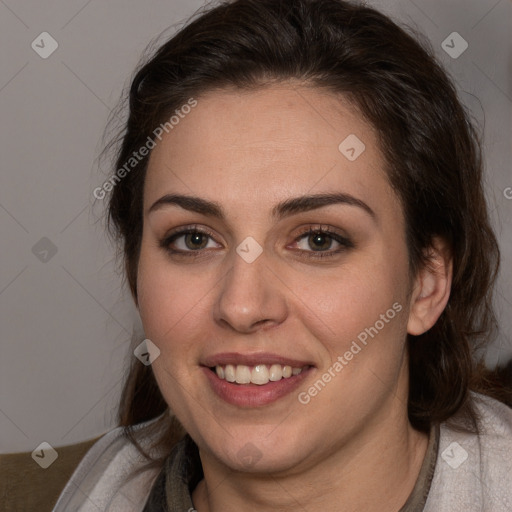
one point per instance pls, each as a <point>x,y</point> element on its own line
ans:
<point>250,296</point>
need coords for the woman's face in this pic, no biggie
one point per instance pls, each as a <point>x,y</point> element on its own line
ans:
<point>249,293</point>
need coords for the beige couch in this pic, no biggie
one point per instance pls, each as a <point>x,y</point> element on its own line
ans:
<point>26,487</point>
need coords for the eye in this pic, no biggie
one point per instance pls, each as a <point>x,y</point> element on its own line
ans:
<point>187,240</point>
<point>321,240</point>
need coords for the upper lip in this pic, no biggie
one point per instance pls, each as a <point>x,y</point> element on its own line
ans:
<point>254,359</point>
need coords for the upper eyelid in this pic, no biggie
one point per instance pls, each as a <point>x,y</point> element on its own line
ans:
<point>311,227</point>
<point>186,230</point>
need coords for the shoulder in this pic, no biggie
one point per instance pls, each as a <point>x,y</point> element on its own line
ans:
<point>107,478</point>
<point>473,471</point>
<point>496,417</point>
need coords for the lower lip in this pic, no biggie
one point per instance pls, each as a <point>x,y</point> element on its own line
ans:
<point>253,395</point>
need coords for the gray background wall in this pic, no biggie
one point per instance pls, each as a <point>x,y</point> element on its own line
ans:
<point>65,319</point>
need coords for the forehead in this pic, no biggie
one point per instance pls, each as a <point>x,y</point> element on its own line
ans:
<point>272,142</point>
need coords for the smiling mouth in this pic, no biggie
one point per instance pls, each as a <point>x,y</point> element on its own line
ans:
<point>259,374</point>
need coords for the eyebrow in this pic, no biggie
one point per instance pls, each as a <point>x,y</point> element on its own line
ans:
<point>284,209</point>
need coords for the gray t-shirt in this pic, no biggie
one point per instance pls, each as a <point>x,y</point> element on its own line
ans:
<point>460,473</point>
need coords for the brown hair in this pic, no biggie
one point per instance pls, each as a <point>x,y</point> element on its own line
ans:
<point>431,149</point>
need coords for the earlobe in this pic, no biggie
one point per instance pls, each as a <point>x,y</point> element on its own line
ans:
<point>431,290</point>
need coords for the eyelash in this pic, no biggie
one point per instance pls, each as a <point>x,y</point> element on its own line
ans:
<point>344,242</point>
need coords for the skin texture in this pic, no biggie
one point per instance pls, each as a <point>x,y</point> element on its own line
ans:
<point>352,444</point>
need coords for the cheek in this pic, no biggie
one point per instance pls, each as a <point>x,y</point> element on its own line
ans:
<point>343,304</point>
<point>171,311</point>
<point>360,319</point>
<point>169,301</point>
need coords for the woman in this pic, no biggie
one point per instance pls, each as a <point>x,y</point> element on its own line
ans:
<point>299,199</point>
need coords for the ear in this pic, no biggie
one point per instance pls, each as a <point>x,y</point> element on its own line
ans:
<point>431,288</point>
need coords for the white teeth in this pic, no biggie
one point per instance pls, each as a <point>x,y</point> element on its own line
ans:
<point>276,372</point>
<point>260,374</point>
<point>287,371</point>
<point>243,374</point>
<point>229,372</point>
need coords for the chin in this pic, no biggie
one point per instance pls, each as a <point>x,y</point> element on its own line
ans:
<point>262,453</point>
